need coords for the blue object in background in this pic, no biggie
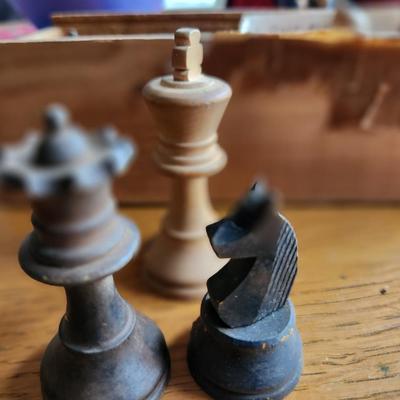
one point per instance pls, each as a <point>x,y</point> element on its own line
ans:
<point>6,12</point>
<point>287,3</point>
<point>39,11</point>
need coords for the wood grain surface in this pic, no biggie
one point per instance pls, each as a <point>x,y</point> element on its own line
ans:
<point>346,296</point>
<point>123,24</point>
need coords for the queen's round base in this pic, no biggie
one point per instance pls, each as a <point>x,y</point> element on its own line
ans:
<point>137,369</point>
<point>263,361</point>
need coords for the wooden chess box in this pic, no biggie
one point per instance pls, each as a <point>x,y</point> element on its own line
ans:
<point>315,104</point>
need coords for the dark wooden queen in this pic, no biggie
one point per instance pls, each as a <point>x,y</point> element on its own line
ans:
<point>104,349</point>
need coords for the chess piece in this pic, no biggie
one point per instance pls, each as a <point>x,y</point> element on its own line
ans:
<point>187,107</point>
<point>245,345</point>
<point>104,349</point>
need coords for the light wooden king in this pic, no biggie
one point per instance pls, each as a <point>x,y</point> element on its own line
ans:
<point>187,107</point>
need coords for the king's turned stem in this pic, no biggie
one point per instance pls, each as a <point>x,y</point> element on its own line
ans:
<point>190,208</point>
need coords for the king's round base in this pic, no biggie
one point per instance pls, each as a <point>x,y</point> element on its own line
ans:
<point>257,362</point>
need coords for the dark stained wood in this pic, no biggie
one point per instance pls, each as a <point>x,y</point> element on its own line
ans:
<point>346,296</point>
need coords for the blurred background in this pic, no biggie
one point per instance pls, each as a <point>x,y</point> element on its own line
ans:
<point>316,89</point>
<point>315,110</point>
<point>39,11</point>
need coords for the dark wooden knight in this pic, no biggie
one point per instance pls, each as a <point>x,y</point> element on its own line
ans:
<point>263,249</point>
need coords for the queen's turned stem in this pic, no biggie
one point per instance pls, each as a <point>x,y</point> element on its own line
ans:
<point>95,314</point>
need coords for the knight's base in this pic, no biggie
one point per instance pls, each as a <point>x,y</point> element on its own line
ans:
<point>263,361</point>
<point>136,369</point>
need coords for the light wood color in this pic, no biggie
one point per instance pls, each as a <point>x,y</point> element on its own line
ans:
<point>187,55</point>
<point>187,107</point>
<point>349,256</point>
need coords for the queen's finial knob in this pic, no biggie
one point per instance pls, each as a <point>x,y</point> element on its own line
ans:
<point>56,118</point>
<point>187,55</point>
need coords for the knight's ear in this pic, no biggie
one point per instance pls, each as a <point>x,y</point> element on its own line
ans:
<point>212,229</point>
<point>276,200</point>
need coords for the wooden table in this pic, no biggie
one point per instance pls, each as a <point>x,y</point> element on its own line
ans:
<point>347,297</point>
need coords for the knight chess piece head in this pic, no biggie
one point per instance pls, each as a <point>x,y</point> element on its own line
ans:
<point>247,329</point>
<point>262,247</point>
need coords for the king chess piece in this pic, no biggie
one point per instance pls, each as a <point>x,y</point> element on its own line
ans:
<point>187,107</point>
<point>245,345</point>
<point>104,349</point>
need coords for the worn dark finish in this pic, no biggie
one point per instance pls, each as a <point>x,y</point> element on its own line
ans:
<point>257,362</point>
<point>245,345</point>
<point>104,349</point>
<point>263,250</point>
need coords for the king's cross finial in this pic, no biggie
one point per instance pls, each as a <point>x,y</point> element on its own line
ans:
<point>187,55</point>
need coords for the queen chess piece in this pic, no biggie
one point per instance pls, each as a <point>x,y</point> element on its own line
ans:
<point>104,349</point>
